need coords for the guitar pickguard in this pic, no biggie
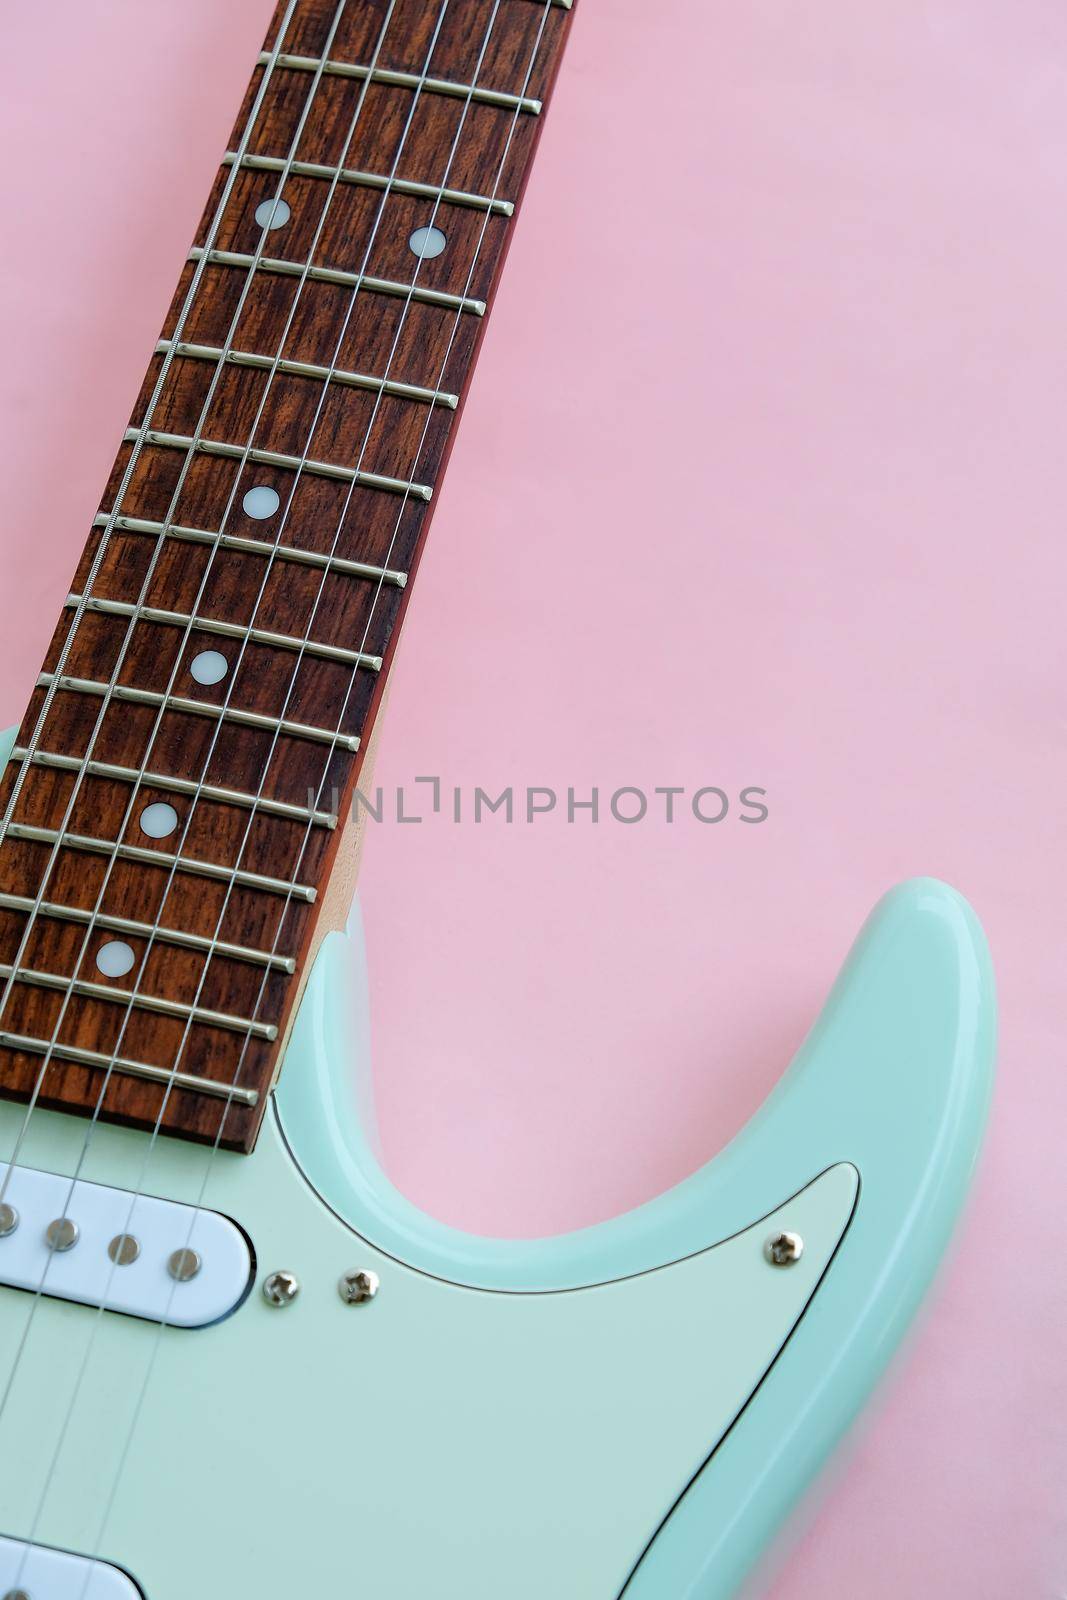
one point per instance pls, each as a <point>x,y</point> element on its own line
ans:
<point>466,1442</point>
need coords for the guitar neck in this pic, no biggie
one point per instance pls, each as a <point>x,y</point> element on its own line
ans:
<point>173,811</point>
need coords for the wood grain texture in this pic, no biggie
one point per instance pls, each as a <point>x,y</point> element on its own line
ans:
<point>174,565</point>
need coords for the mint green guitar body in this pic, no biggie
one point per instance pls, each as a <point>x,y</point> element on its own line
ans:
<point>628,1410</point>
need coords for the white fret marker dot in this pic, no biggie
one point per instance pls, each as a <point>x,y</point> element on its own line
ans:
<point>427,243</point>
<point>272,214</point>
<point>209,667</point>
<point>158,820</point>
<point>115,958</point>
<point>261,502</point>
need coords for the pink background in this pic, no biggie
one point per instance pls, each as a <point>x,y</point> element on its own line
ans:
<point>761,482</point>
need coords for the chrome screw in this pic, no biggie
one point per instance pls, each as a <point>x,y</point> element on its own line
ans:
<point>9,1221</point>
<point>281,1288</point>
<point>62,1234</point>
<point>355,1288</point>
<point>183,1264</point>
<point>784,1249</point>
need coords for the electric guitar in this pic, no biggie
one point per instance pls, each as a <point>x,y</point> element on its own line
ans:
<point>234,1360</point>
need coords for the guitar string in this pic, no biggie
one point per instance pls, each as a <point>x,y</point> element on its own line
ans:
<point>160,543</point>
<point>436,207</point>
<point>292,153</point>
<point>87,1353</point>
<point>24,1340</point>
<point>82,608</point>
<point>159,1330</point>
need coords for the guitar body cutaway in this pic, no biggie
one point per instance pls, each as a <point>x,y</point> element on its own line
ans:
<point>630,1409</point>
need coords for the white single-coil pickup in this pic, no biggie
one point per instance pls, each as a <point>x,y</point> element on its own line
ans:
<point>54,1575</point>
<point>127,1254</point>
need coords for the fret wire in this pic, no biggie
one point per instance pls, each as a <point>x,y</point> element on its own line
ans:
<point>406,492</point>
<point>337,275</point>
<point>403,489</point>
<point>56,912</point>
<point>161,858</point>
<point>89,990</point>
<point>407,80</point>
<point>233,541</point>
<point>201,708</point>
<point>274,458</point>
<point>174,1074</point>
<point>129,1068</point>
<point>372,180</point>
<point>308,369</point>
<point>162,780</point>
<point>245,456</point>
<point>225,630</point>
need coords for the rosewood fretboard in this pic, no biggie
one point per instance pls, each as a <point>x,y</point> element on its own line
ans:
<point>224,646</point>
